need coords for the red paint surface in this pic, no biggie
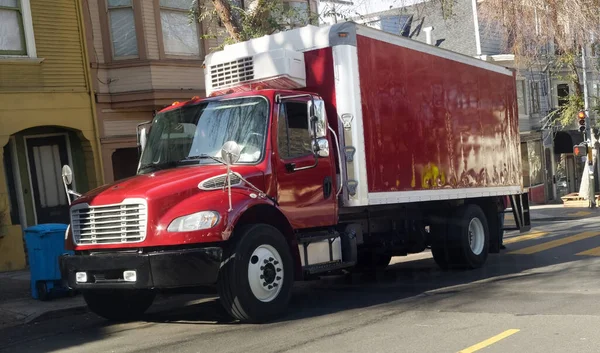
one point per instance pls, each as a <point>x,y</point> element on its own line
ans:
<point>174,192</point>
<point>300,193</point>
<point>320,80</point>
<point>435,123</point>
<point>537,194</point>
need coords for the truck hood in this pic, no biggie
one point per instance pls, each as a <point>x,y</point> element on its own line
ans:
<point>165,184</point>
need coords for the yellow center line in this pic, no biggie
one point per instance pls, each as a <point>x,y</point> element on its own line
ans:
<point>554,243</point>
<point>580,213</point>
<point>489,341</point>
<point>530,236</point>
<point>590,252</point>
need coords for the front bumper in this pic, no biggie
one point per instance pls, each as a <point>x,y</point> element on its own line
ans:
<point>160,269</point>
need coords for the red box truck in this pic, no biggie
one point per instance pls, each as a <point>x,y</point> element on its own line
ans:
<point>317,150</point>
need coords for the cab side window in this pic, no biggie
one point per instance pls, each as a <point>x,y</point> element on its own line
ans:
<point>293,135</point>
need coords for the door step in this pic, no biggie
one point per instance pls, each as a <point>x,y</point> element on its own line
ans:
<point>326,267</point>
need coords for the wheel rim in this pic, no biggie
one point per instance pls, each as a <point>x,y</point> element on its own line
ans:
<point>265,273</point>
<point>476,236</point>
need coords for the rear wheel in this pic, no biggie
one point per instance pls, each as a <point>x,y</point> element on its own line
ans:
<point>464,242</point>
<point>119,305</point>
<point>256,277</point>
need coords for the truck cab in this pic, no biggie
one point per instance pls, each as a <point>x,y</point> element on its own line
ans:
<point>211,170</point>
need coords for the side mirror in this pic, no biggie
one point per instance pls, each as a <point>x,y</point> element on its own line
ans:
<point>230,152</point>
<point>142,136</point>
<point>67,175</point>
<point>321,147</point>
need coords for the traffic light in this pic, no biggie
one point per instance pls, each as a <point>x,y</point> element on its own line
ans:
<point>581,120</point>
<point>580,150</point>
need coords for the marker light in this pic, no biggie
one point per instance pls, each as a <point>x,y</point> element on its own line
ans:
<point>130,276</point>
<point>81,277</point>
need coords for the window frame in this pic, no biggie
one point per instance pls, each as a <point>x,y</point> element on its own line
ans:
<point>28,37</point>
<point>308,9</point>
<point>524,96</point>
<point>161,41</point>
<point>107,43</point>
<point>310,133</point>
<point>557,97</point>
<point>534,90</point>
<point>135,26</point>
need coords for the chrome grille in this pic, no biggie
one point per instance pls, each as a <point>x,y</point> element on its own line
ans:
<point>230,73</point>
<point>110,224</point>
<point>219,182</point>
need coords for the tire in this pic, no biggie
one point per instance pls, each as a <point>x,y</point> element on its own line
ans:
<point>469,237</point>
<point>257,275</point>
<point>119,305</point>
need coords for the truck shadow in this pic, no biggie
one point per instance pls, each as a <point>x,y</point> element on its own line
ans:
<point>407,280</point>
<point>408,285</point>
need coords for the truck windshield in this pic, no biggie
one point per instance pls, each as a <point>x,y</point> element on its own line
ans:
<point>196,133</point>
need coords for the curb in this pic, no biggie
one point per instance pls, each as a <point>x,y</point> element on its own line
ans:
<point>55,314</point>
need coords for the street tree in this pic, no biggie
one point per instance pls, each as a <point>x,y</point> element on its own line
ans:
<point>531,25</point>
<point>256,19</point>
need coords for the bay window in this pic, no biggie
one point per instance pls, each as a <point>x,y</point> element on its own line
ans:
<point>122,28</point>
<point>180,35</point>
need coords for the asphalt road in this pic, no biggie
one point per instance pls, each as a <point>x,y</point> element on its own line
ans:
<point>542,294</point>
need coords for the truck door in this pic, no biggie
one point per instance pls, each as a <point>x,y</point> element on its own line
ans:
<point>306,185</point>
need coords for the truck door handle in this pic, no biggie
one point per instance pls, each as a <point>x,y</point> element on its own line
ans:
<point>290,167</point>
<point>327,186</point>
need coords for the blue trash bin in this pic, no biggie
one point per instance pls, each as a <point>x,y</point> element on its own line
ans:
<point>45,243</point>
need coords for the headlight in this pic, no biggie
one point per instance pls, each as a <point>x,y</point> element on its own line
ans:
<point>195,221</point>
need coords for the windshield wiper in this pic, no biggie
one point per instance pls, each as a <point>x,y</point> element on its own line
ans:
<point>158,166</point>
<point>202,156</point>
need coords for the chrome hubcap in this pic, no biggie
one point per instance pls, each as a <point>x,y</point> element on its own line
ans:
<point>476,236</point>
<point>265,273</point>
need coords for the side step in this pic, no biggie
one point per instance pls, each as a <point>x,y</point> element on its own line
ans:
<point>325,251</point>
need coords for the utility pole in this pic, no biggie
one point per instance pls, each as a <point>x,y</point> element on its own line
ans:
<point>588,132</point>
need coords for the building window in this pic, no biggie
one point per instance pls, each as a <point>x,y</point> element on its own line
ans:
<point>536,172</point>
<point>122,28</point>
<point>294,139</point>
<point>124,163</point>
<point>12,31</point>
<point>296,13</point>
<point>562,94</point>
<point>535,97</point>
<point>180,35</point>
<point>521,97</point>
<point>531,162</point>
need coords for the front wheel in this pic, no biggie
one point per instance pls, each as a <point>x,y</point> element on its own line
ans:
<point>119,305</point>
<point>256,276</point>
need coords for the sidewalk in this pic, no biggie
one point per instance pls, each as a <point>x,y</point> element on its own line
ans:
<point>557,212</point>
<point>18,307</point>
